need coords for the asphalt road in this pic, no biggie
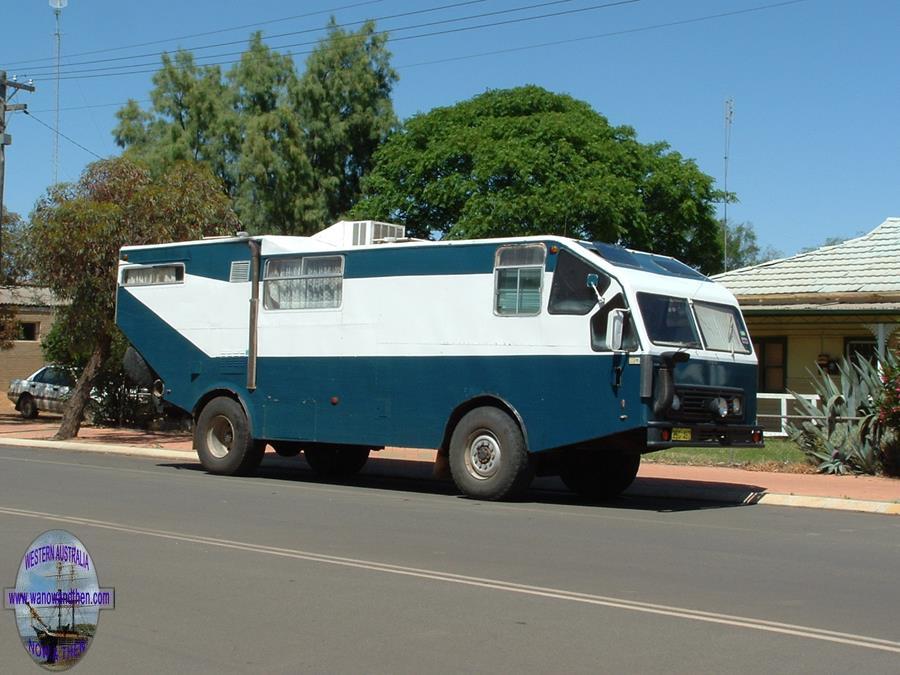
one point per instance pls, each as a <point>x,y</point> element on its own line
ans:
<point>395,573</point>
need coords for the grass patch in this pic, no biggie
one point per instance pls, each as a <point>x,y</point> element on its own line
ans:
<point>777,452</point>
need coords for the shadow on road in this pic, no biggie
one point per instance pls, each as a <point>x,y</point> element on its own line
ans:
<point>661,495</point>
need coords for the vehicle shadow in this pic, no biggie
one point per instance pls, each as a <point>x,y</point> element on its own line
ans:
<point>661,495</point>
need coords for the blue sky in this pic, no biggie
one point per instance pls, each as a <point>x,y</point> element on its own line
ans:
<point>815,148</point>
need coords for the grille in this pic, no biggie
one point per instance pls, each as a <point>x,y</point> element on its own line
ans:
<point>695,404</point>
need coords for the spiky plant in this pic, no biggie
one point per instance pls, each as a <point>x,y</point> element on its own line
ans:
<point>845,434</point>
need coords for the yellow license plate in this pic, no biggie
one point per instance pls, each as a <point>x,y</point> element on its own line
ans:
<point>681,434</point>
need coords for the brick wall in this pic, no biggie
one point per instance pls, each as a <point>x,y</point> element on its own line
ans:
<point>25,356</point>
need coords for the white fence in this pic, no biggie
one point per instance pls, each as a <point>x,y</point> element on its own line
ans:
<point>774,411</point>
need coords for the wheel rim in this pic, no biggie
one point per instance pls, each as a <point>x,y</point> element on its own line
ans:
<point>220,436</point>
<point>483,456</point>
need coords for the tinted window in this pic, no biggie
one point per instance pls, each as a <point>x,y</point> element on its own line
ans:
<point>668,320</point>
<point>570,293</point>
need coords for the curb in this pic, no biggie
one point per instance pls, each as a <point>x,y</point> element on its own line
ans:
<point>721,496</point>
<point>99,448</point>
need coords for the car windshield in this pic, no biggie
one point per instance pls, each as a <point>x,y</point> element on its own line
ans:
<point>668,321</point>
<point>722,328</point>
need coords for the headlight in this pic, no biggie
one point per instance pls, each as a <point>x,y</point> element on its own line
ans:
<point>676,402</point>
<point>719,406</point>
<point>736,406</point>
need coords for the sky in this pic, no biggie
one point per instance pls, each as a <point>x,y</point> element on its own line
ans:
<point>815,135</point>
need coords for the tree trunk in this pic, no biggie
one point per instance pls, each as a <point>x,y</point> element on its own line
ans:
<point>74,411</point>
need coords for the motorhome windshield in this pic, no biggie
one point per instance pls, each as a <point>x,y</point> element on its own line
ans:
<point>722,328</point>
<point>668,321</point>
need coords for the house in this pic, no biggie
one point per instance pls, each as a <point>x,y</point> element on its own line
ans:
<point>34,309</point>
<point>814,309</point>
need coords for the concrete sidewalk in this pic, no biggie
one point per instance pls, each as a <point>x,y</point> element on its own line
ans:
<point>711,483</point>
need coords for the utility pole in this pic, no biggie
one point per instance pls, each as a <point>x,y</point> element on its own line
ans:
<point>6,139</point>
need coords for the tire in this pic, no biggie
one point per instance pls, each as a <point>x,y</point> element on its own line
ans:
<point>286,448</point>
<point>222,439</point>
<point>336,462</point>
<point>27,407</point>
<point>488,457</point>
<point>598,475</point>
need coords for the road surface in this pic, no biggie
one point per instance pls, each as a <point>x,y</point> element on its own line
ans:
<point>395,573</point>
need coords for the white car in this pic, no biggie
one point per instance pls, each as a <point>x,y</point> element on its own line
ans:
<point>47,389</point>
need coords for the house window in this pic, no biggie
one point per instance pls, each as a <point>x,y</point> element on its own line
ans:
<point>861,349</point>
<point>518,279</point>
<point>29,331</point>
<point>772,355</point>
<point>312,282</point>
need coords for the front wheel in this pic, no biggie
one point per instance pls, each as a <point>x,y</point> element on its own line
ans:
<point>336,462</point>
<point>599,475</point>
<point>27,407</point>
<point>222,439</point>
<point>488,457</point>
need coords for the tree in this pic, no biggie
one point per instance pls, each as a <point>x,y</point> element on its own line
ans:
<point>743,247</point>
<point>13,270</point>
<point>528,161</point>
<point>75,235</point>
<point>290,151</point>
<point>344,102</point>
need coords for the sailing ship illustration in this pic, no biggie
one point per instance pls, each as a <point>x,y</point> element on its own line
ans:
<point>64,643</point>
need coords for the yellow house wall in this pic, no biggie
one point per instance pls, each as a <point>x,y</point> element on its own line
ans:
<point>809,336</point>
<point>24,357</point>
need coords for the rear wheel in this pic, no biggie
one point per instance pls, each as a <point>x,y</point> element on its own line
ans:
<point>222,439</point>
<point>599,475</point>
<point>27,407</point>
<point>488,457</point>
<point>336,462</point>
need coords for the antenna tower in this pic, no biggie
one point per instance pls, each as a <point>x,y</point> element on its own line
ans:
<point>729,116</point>
<point>57,6</point>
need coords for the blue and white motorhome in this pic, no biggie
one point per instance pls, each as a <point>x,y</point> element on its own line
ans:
<point>512,357</point>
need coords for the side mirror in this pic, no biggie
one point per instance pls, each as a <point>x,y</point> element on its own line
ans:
<point>615,329</point>
<point>593,280</point>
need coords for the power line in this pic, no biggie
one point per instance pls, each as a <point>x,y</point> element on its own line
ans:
<point>428,24</point>
<point>209,32</point>
<point>288,34</point>
<point>59,133</point>
<point>448,31</point>
<point>598,36</point>
<point>539,45</point>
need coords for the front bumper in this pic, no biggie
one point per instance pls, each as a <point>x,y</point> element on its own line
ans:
<point>662,435</point>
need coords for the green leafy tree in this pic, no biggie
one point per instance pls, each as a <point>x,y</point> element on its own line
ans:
<point>74,239</point>
<point>13,270</point>
<point>528,161</point>
<point>344,103</point>
<point>290,150</point>
<point>744,249</point>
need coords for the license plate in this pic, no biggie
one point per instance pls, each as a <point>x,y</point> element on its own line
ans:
<point>681,434</point>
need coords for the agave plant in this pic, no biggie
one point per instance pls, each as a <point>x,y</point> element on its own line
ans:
<point>845,434</point>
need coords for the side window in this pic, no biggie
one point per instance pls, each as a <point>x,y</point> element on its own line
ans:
<point>153,276</point>
<point>42,376</point>
<point>311,282</point>
<point>570,293</point>
<point>598,327</point>
<point>59,377</point>
<point>518,279</point>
